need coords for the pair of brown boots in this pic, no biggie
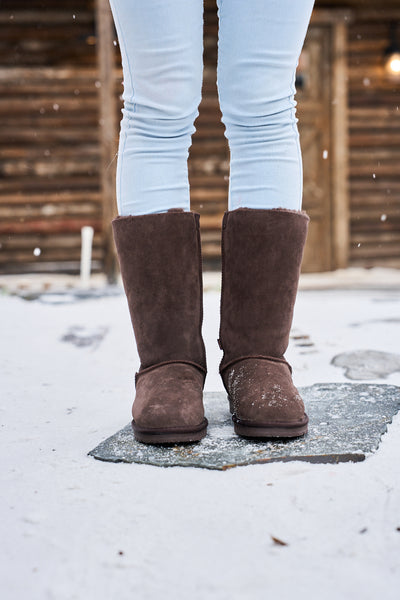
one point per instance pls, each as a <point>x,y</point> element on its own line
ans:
<point>161,267</point>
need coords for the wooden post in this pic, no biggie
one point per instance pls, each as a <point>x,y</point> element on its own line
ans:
<point>108,130</point>
<point>340,176</point>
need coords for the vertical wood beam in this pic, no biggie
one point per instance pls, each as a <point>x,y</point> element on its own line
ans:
<point>340,170</point>
<point>108,129</point>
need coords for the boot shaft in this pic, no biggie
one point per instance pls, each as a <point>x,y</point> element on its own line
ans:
<point>262,250</point>
<point>160,261</point>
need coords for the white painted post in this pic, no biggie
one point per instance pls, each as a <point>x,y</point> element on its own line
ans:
<point>86,255</point>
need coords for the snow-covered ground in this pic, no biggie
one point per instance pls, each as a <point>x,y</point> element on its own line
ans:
<point>77,528</point>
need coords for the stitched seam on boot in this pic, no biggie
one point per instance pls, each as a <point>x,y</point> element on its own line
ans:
<point>169,362</point>
<point>287,424</point>
<point>260,357</point>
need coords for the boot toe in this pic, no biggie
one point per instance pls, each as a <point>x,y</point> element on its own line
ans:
<point>169,397</point>
<point>262,394</point>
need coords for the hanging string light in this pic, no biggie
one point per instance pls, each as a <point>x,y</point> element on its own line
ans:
<point>392,53</point>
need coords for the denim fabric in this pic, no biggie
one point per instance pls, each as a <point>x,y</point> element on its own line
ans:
<point>161,44</point>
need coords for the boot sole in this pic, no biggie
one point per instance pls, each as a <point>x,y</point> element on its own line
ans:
<point>269,431</point>
<point>170,435</point>
<point>249,429</point>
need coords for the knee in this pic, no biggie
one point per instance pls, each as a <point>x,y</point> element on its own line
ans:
<point>262,101</point>
<point>167,104</point>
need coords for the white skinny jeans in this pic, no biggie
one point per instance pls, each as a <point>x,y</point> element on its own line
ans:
<point>161,44</point>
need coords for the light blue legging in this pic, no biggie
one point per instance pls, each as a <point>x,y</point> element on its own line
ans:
<point>161,44</point>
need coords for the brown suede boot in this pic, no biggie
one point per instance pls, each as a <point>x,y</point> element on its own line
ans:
<point>160,260</point>
<point>262,250</point>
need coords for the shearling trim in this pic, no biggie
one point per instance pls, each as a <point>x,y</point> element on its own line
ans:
<point>172,211</point>
<point>271,210</point>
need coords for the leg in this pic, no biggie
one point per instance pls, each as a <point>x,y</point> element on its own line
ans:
<point>161,46</point>
<point>258,50</point>
<point>259,45</point>
<point>159,254</point>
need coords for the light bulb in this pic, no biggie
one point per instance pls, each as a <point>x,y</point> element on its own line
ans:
<point>393,64</point>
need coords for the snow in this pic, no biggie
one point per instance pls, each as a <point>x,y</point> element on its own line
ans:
<point>77,528</point>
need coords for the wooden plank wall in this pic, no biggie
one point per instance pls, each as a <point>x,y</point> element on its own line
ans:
<point>209,154</point>
<point>50,153</point>
<point>49,135</point>
<point>374,122</point>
